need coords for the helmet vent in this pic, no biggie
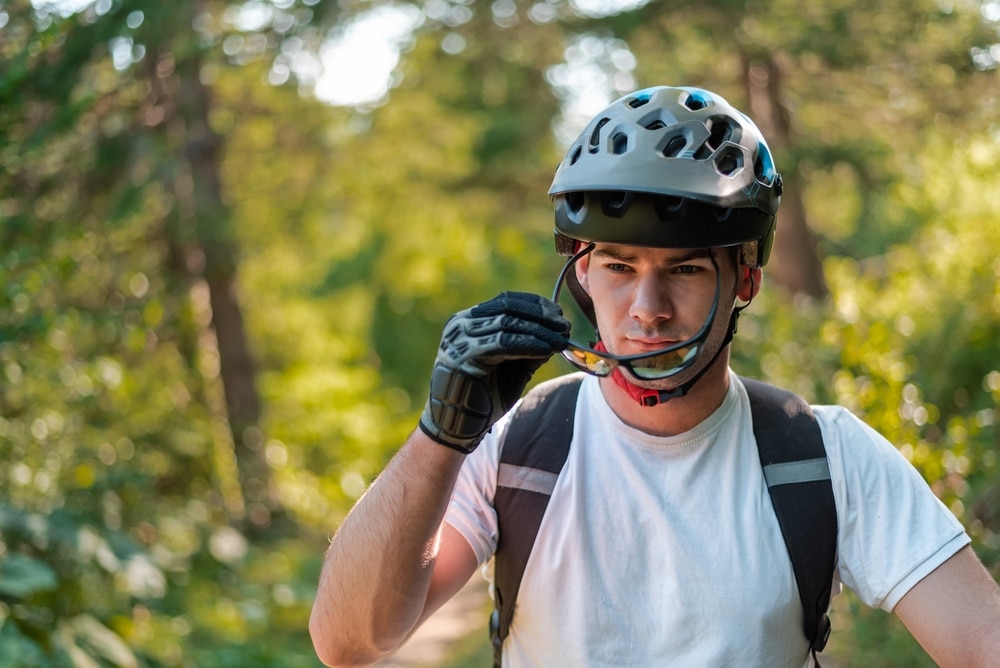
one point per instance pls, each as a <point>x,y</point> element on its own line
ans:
<point>722,214</point>
<point>697,100</point>
<point>615,203</point>
<point>638,101</point>
<point>595,136</point>
<point>619,143</point>
<point>575,156</point>
<point>763,166</point>
<point>674,146</point>
<point>575,201</point>
<point>656,125</point>
<point>721,132</point>
<point>761,171</point>
<point>729,162</point>
<point>667,206</point>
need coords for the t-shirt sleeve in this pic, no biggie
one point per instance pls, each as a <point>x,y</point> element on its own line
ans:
<point>471,511</point>
<point>892,531</point>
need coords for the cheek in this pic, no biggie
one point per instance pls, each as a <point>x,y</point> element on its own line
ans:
<point>611,305</point>
<point>602,291</point>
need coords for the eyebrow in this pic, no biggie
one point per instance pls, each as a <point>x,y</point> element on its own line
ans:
<point>617,253</point>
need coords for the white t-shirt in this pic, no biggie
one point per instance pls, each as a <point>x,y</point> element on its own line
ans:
<point>658,551</point>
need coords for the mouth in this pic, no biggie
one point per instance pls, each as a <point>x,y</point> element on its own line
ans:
<point>648,345</point>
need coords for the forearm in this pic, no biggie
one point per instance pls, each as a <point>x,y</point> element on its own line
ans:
<point>977,645</point>
<point>378,569</point>
<point>383,566</point>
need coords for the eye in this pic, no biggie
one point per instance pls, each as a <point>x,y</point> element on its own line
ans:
<point>691,266</point>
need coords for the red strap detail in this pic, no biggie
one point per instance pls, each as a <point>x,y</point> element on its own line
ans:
<point>642,396</point>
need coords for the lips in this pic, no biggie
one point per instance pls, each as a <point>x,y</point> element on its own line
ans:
<point>647,344</point>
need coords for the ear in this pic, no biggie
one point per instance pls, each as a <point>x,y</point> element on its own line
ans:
<point>749,282</point>
<point>582,268</point>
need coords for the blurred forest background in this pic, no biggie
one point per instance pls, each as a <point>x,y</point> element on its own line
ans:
<point>223,279</point>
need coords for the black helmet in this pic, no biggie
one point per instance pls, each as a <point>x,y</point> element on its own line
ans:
<point>669,167</point>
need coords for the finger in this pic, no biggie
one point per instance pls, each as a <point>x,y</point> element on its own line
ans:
<point>515,347</point>
<point>484,328</point>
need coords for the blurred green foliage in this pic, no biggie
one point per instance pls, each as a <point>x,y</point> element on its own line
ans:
<point>908,341</point>
<point>148,149</point>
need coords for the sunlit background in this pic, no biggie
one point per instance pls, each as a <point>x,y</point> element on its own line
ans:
<point>230,234</point>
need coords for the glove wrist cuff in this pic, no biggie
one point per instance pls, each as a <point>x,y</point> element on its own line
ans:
<point>464,447</point>
<point>459,409</point>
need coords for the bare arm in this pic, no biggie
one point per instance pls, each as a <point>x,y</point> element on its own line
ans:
<point>392,562</point>
<point>389,566</point>
<point>954,613</point>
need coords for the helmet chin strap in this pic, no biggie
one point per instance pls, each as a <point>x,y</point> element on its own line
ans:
<point>650,397</point>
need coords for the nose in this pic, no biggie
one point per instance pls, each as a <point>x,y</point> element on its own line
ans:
<point>650,301</point>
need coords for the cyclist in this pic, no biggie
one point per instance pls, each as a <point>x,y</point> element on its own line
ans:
<point>659,545</point>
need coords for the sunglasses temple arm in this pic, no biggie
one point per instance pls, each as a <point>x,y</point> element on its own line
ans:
<point>565,270</point>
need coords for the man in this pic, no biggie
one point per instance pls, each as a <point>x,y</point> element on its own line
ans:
<point>659,545</point>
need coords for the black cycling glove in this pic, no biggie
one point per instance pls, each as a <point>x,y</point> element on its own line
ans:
<point>487,356</point>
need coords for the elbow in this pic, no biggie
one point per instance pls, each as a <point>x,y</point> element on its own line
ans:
<point>333,651</point>
<point>333,658</point>
<point>342,650</point>
<point>339,655</point>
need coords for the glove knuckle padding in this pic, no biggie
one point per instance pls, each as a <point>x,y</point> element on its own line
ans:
<point>523,305</point>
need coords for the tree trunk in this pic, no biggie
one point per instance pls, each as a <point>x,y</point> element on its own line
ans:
<point>794,263</point>
<point>212,235</point>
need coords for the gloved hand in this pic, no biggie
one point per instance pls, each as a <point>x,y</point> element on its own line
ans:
<point>488,354</point>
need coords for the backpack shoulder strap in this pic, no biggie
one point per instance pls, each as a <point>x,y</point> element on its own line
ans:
<point>534,451</point>
<point>797,474</point>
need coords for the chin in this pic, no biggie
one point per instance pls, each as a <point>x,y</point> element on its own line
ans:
<point>675,381</point>
<point>668,384</point>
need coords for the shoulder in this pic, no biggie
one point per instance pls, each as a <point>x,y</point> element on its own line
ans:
<point>848,436</point>
<point>560,384</point>
<point>551,399</point>
<point>884,507</point>
<point>840,428</point>
<point>862,458</point>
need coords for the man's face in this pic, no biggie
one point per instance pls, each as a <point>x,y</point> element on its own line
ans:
<point>646,299</point>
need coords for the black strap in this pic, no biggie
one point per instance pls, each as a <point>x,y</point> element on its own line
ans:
<point>534,451</point>
<point>797,473</point>
<point>791,453</point>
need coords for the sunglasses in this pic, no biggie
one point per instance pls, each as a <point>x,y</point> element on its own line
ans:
<point>653,365</point>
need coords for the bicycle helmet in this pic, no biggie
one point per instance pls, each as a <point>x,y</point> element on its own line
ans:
<point>669,167</point>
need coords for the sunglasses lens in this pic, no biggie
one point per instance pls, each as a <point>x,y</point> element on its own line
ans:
<point>590,361</point>
<point>665,364</point>
<point>655,367</point>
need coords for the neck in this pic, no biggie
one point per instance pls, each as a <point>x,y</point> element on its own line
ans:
<point>677,415</point>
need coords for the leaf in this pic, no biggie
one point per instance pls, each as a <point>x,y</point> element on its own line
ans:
<point>84,639</point>
<point>17,650</point>
<point>21,576</point>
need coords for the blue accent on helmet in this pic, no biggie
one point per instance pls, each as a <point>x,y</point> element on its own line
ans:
<point>699,98</point>
<point>766,162</point>
<point>642,95</point>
